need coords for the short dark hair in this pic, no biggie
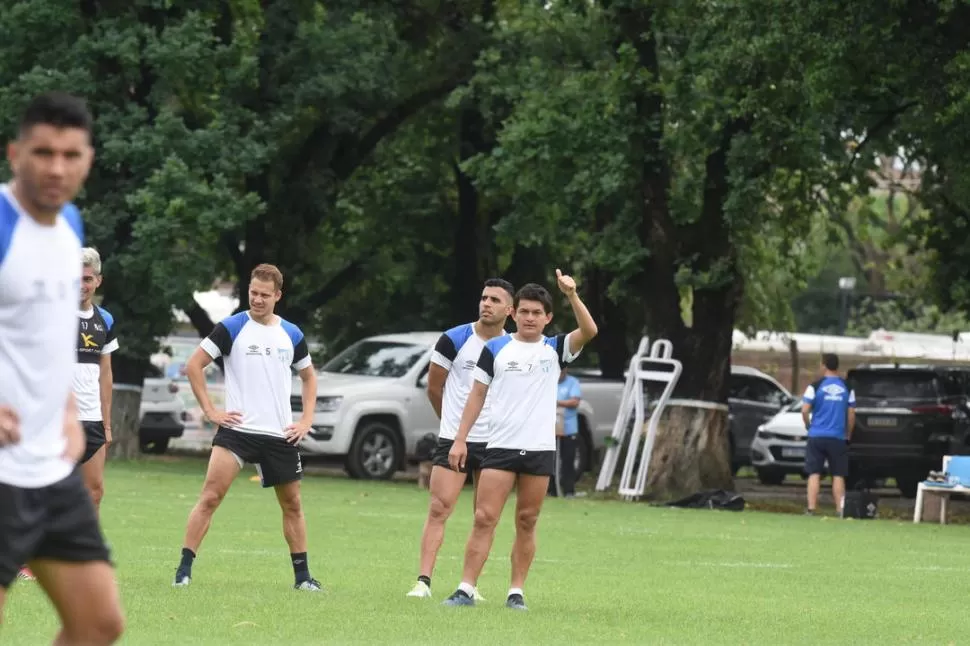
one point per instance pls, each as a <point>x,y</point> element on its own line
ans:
<point>57,109</point>
<point>268,273</point>
<point>830,360</point>
<point>501,282</point>
<point>533,292</point>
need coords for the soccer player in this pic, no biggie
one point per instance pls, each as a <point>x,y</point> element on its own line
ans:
<point>257,426</point>
<point>47,519</point>
<point>93,377</point>
<point>520,373</point>
<point>450,378</point>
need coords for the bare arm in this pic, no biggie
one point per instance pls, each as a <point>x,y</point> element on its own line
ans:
<point>73,433</point>
<point>851,424</point>
<point>308,377</point>
<point>806,411</point>
<point>473,408</point>
<point>106,384</point>
<point>436,386</point>
<point>569,403</point>
<point>195,371</point>
<point>587,329</point>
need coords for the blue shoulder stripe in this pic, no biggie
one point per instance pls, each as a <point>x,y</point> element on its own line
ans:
<point>73,217</point>
<point>499,342</point>
<point>234,324</point>
<point>460,334</point>
<point>109,320</point>
<point>8,222</point>
<point>292,331</point>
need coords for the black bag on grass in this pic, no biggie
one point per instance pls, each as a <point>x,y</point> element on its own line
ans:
<point>714,499</point>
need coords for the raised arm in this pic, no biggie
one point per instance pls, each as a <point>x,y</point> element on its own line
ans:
<point>586,330</point>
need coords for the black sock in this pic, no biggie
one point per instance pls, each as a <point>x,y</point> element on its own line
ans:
<point>301,568</point>
<point>187,557</point>
<point>425,580</point>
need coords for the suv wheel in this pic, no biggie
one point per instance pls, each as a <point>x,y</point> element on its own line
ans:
<point>154,447</point>
<point>907,486</point>
<point>375,452</point>
<point>770,477</point>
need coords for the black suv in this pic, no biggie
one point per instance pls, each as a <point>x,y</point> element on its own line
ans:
<point>907,418</point>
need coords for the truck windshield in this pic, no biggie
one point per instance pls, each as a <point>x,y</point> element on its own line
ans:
<point>376,359</point>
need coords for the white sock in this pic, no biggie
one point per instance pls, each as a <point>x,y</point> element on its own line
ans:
<point>467,588</point>
<point>517,591</point>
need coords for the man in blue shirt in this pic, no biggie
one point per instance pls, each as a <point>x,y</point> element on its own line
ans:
<point>563,481</point>
<point>831,405</point>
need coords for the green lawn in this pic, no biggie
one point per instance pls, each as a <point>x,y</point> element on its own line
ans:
<point>606,572</point>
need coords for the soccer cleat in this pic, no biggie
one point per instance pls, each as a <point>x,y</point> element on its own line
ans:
<point>181,579</point>
<point>421,590</point>
<point>25,574</point>
<point>311,585</point>
<point>458,598</point>
<point>515,602</point>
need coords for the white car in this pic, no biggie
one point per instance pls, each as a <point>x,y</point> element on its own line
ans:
<point>372,406</point>
<point>778,447</point>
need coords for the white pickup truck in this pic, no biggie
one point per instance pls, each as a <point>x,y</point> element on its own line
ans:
<point>372,407</point>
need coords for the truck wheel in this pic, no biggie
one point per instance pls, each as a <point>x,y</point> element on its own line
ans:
<point>769,477</point>
<point>154,447</point>
<point>374,453</point>
<point>907,486</point>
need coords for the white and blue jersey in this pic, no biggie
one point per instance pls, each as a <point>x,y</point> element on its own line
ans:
<point>457,351</point>
<point>523,380</point>
<point>40,283</point>
<point>830,399</point>
<point>258,359</point>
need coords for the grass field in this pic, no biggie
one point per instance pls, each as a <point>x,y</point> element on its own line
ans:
<point>606,572</point>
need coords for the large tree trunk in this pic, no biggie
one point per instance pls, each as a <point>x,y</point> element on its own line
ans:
<point>690,451</point>
<point>129,375</point>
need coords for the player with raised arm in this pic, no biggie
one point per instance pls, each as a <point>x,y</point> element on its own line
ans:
<point>93,379</point>
<point>258,348</point>
<point>520,375</point>
<point>450,378</point>
<point>47,519</point>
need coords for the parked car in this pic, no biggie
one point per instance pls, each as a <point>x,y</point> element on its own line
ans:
<point>372,406</point>
<point>778,448</point>
<point>907,418</point>
<point>162,412</point>
<point>753,398</point>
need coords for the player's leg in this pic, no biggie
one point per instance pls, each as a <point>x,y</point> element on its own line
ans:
<point>838,458</point>
<point>224,466</point>
<point>92,471</point>
<point>85,596</point>
<point>445,487</point>
<point>280,467</point>
<point>494,490</point>
<point>531,491</point>
<point>814,463</point>
<point>72,564</point>
<point>567,465</point>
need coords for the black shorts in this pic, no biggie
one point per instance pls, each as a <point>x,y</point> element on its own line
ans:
<point>94,434</point>
<point>56,522</point>
<point>533,463</point>
<point>819,450</point>
<point>277,461</point>
<point>473,462</point>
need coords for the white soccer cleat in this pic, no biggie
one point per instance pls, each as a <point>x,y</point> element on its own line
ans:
<point>310,585</point>
<point>181,581</point>
<point>420,590</point>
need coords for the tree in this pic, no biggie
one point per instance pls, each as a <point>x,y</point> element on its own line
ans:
<point>682,151</point>
<point>225,131</point>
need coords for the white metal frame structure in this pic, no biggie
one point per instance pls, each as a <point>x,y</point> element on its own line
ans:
<point>644,368</point>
